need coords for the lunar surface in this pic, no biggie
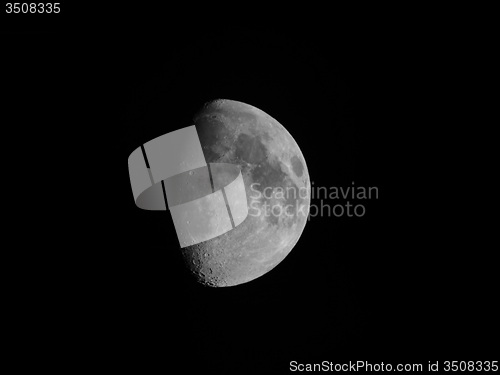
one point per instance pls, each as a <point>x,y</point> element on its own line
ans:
<point>277,188</point>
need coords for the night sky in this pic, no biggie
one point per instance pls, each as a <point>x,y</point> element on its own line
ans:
<point>90,86</point>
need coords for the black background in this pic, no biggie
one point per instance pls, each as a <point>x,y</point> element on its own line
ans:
<point>358,97</point>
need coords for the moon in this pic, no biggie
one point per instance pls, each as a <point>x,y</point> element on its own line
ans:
<point>277,188</point>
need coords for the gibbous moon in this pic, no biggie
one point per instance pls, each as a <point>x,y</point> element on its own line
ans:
<point>277,186</point>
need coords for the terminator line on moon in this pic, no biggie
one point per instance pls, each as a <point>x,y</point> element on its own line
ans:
<point>270,161</point>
